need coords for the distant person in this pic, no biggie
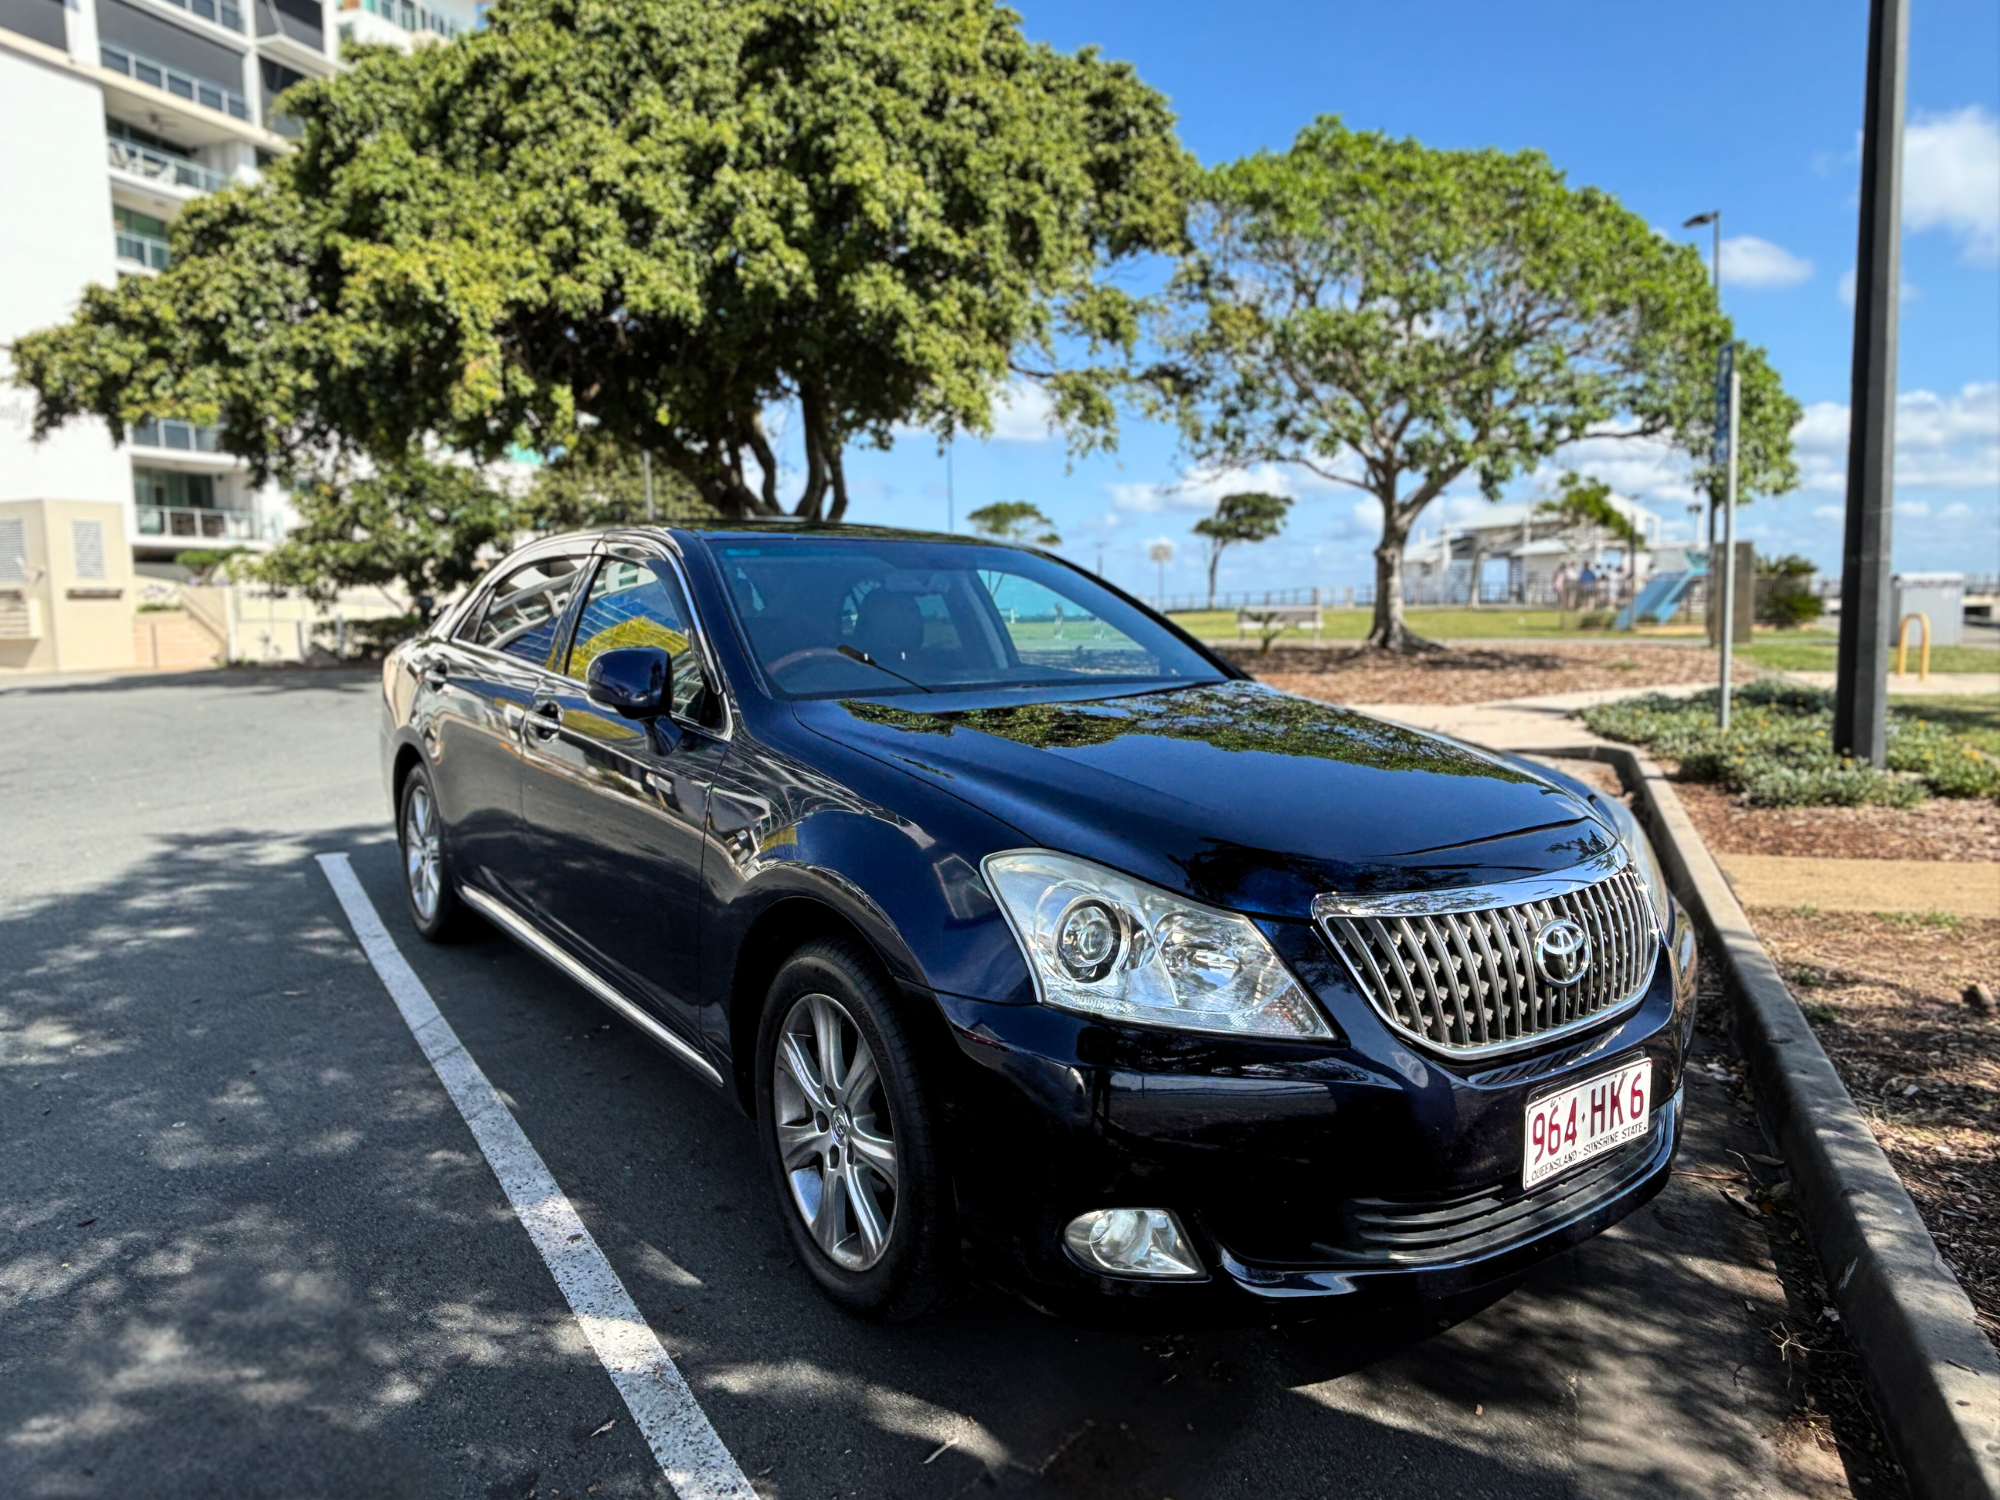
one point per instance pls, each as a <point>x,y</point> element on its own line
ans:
<point>1586,584</point>
<point>1559,582</point>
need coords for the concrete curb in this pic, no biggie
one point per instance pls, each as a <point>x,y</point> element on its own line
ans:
<point>1934,1377</point>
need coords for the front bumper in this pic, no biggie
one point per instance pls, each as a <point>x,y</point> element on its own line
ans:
<point>1304,1172</point>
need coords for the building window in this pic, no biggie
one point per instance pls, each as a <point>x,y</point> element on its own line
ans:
<point>173,489</point>
<point>86,549</point>
<point>13,551</point>
<point>141,237</point>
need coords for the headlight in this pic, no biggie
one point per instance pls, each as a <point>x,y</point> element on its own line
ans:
<point>1108,945</point>
<point>1644,862</point>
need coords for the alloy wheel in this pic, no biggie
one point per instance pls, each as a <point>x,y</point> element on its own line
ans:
<point>835,1134</point>
<point>422,851</point>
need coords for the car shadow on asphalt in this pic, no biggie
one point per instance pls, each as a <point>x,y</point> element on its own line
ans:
<point>251,1249</point>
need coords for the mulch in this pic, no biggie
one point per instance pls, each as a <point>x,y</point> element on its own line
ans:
<point>1884,995</point>
<point>1478,674</point>
<point>1948,829</point>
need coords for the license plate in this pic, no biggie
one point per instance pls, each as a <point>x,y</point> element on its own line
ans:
<point>1586,1120</point>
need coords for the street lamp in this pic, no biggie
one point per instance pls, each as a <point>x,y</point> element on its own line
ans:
<point>1713,216</point>
<point>1162,552</point>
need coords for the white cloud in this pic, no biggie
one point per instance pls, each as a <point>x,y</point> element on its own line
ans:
<point>1951,179</point>
<point>1942,442</point>
<point>1912,508</point>
<point>1760,265</point>
<point>1022,414</point>
<point>1197,492</point>
<point>1653,473</point>
<point>1906,293</point>
<point>1830,512</point>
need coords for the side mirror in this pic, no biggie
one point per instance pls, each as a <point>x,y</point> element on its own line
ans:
<point>632,680</point>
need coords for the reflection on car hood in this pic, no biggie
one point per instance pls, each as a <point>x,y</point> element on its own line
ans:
<point>1233,793</point>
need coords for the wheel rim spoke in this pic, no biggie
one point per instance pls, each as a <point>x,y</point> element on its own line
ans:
<point>861,1077</point>
<point>792,1058</point>
<point>799,1144</point>
<point>827,1044</point>
<point>832,1202</point>
<point>867,1217</point>
<point>875,1151</point>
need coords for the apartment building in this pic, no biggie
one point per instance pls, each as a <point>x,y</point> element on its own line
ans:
<point>114,116</point>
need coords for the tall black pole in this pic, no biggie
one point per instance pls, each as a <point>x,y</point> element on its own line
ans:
<point>1861,704</point>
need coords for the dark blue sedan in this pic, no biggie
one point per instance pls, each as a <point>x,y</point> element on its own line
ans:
<point>1042,946</point>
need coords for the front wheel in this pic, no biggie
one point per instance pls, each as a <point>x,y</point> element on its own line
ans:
<point>427,883</point>
<point>847,1131</point>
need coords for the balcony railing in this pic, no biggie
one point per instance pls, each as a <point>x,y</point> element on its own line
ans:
<point>225,12</point>
<point>177,523</point>
<point>173,80</point>
<point>158,166</point>
<point>146,249</point>
<point>176,436</point>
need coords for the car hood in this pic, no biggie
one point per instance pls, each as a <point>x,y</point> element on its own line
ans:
<point>1231,793</point>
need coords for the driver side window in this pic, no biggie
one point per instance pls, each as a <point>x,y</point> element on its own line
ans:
<point>638,602</point>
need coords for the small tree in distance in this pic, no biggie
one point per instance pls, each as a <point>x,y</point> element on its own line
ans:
<point>1015,521</point>
<point>1585,504</point>
<point>1246,517</point>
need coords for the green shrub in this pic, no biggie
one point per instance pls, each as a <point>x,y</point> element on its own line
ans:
<point>1778,749</point>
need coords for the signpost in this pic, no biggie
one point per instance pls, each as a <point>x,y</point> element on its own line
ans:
<point>1728,404</point>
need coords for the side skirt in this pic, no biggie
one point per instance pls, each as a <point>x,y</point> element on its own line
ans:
<point>526,935</point>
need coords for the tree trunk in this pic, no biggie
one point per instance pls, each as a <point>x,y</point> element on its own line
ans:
<point>1214,557</point>
<point>1389,632</point>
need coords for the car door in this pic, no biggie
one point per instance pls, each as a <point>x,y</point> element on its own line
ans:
<point>476,690</point>
<point>614,808</point>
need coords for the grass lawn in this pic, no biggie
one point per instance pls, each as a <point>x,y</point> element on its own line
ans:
<point>1975,719</point>
<point>1816,654</point>
<point>1439,624</point>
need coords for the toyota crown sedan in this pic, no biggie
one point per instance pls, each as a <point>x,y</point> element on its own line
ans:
<point>1042,946</point>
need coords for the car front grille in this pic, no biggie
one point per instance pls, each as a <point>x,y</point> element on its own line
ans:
<point>1468,982</point>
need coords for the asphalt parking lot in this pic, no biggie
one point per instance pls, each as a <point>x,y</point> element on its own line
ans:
<point>252,1249</point>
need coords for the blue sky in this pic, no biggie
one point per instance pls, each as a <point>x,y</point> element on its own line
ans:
<point>1754,109</point>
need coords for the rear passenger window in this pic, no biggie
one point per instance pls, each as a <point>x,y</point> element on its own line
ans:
<point>525,607</point>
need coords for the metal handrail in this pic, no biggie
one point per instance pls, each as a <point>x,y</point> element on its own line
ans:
<point>177,436</point>
<point>158,166</point>
<point>146,249</point>
<point>198,524</point>
<point>147,70</point>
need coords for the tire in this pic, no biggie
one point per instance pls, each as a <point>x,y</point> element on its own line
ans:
<point>429,891</point>
<point>871,1137</point>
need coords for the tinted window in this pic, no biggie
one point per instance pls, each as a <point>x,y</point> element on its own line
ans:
<point>525,607</point>
<point>633,602</point>
<point>829,617</point>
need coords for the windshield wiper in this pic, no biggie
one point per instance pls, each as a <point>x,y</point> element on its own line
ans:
<point>868,661</point>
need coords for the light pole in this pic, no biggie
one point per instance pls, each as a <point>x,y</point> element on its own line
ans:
<point>1713,218</point>
<point>646,463</point>
<point>950,499</point>
<point>1162,552</point>
<point>1860,691</point>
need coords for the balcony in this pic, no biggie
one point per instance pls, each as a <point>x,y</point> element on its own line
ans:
<point>175,436</point>
<point>160,169</point>
<point>171,523</point>
<point>182,85</point>
<point>145,250</point>
<point>223,14</point>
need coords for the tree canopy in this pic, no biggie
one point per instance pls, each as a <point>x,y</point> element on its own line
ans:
<point>673,217</point>
<point>1394,317</point>
<point>1015,521</point>
<point>1244,517</point>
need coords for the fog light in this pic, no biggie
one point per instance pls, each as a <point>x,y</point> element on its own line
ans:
<point>1132,1242</point>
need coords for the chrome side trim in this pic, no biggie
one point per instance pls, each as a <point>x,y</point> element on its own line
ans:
<point>1474,897</point>
<point>523,933</point>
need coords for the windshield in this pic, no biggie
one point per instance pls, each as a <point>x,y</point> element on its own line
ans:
<point>828,617</point>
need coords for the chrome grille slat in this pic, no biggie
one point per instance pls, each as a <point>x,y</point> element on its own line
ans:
<point>1462,978</point>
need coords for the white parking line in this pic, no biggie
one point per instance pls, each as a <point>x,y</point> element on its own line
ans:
<point>690,1454</point>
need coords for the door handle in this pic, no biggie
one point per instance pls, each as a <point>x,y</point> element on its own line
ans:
<point>544,719</point>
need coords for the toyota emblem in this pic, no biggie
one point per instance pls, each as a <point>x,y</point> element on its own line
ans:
<point>1562,952</point>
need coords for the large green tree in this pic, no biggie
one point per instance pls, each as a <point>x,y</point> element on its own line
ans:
<point>1015,521</point>
<point>1393,317</point>
<point>670,216</point>
<point>423,527</point>
<point>599,485</point>
<point>1244,517</point>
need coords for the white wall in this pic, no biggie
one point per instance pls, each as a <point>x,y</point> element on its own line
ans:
<point>55,236</point>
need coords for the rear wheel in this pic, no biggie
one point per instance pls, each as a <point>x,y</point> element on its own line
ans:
<point>427,883</point>
<point>848,1134</point>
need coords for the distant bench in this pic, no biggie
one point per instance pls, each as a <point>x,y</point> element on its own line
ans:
<point>1304,616</point>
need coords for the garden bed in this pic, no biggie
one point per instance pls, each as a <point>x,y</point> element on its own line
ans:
<point>1884,996</point>
<point>1950,830</point>
<point>1476,674</point>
